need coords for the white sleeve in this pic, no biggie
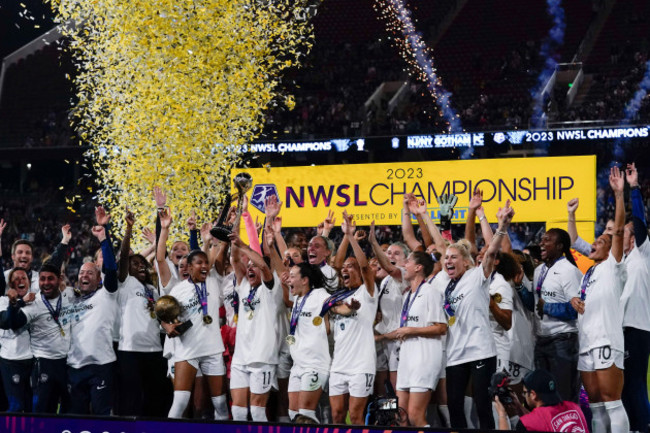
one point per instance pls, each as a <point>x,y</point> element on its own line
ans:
<point>582,246</point>
<point>435,311</point>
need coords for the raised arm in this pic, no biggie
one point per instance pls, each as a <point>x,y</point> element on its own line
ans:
<point>384,262</point>
<point>407,226</point>
<point>109,266</point>
<point>272,208</point>
<point>419,207</point>
<point>341,253</point>
<point>617,182</point>
<point>61,251</point>
<point>470,224</point>
<point>638,208</point>
<point>426,235</point>
<point>349,226</point>
<point>504,215</point>
<point>165,274</point>
<point>486,230</point>
<point>253,256</point>
<point>328,224</point>
<point>125,248</point>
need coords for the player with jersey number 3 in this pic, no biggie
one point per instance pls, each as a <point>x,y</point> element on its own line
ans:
<point>600,322</point>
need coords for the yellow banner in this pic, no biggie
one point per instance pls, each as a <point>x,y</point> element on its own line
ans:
<point>538,188</point>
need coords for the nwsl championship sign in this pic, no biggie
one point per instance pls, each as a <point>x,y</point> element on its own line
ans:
<point>538,188</point>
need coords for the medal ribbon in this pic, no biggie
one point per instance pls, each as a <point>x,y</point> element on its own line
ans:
<point>295,314</point>
<point>448,291</point>
<point>332,300</point>
<point>542,276</point>
<point>251,295</point>
<point>55,313</point>
<point>149,295</point>
<point>202,293</point>
<point>585,283</point>
<point>408,304</point>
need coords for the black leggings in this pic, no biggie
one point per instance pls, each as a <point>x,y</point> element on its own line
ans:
<point>458,376</point>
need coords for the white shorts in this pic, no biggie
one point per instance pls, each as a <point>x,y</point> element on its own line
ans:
<point>211,365</point>
<point>260,378</point>
<point>171,370</point>
<point>306,379</point>
<point>600,358</point>
<point>284,367</point>
<point>357,385</point>
<point>515,371</point>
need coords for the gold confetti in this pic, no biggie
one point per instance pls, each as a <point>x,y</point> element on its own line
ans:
<point>168,92</point>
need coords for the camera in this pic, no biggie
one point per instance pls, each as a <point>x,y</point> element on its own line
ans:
<point>499,387</point>
<point>384,411</point>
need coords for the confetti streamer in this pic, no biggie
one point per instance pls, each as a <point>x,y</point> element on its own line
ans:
<point>415,52</point>
<point>548,50</point>
<point>169,90</point>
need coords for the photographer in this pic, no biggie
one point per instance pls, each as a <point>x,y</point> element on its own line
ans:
<point>548,411</point>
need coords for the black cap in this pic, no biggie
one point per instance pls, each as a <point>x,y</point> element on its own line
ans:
<point>544,385</point>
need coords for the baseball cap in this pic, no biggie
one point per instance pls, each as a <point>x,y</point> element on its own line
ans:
<point>543,383</point>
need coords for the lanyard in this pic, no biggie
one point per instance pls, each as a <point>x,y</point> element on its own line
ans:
<point>542,276</point>
<point>585,283</point>
<point>202,293</point>
<point>295,314</point>
<point>408,304</point>
<point>251,295</point>
<point>448,291</point>
<point>332,300</point>
<point>55,313</point>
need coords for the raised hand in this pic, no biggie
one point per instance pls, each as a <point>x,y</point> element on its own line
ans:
<point>232,215</point>
<point>572,205</point>
<point>319,228</point>
<point>258,226</point>
<point>165,215</point>
<point>616,180</point>
<point>67,234</point>
<point>477,199</point>
<point>417,206</point>
<point>329,222</point>
<point>447,203</point>
<point>235,240</point>
<point>149,235</point>
<point>205,232</point>
<point>631,175</point>
<point>348,226</point>
<point>372,237</point>
<point>99,232</point>
<point>160,197</point>
<point>360,235</point>
<point>3,225</point>
<point>505,214</point>
<point>269,238</point>
<point>272,207</point>
<point>29,297</point>
<point>129,218</point>
<point>101,216</point>
<point>191,221</point>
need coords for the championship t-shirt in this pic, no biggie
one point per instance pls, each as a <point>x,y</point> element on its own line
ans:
<point>498,285</point>
<point>14,344</point>
<point>354,341</point>
<point>139,332</point>
<point>390,297</point>
<point>92,320</point>
<point>636,294</point>
<point>46,338</point>
<point>311,348</point>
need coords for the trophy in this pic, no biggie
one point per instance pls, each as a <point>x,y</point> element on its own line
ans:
<point>167,309</point>
<point>222,230</point>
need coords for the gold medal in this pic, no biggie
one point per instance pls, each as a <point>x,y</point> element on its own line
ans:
<point>207,319</point>
<point>317,320</point>
<point>235,318</point>
<point>250,315</point>
<point>497,297</point>
<point>290,339</point>
<point>62,332</point>
<point>452,320</point>
<point>152,314</point>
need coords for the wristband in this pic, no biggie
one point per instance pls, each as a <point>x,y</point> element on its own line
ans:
<point>481,218</point>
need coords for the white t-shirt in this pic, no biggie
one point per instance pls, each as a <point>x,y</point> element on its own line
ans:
<point>201,339</point>
<point>139,332</point>
<point>92,322</point>
<point>14,344</point>
<point>499,285</point>
<point>602,322</point>
<point>636,294</point>
<point>522,334</point>
<point>354,341</point>
<point>426,310</point>
<point>256,337</point>
<point>311,349</point>
<point>470,337</point>
<point>33,287</point>
<point>562,283</point>
<point>45,335</point>
<point>391,294</point>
